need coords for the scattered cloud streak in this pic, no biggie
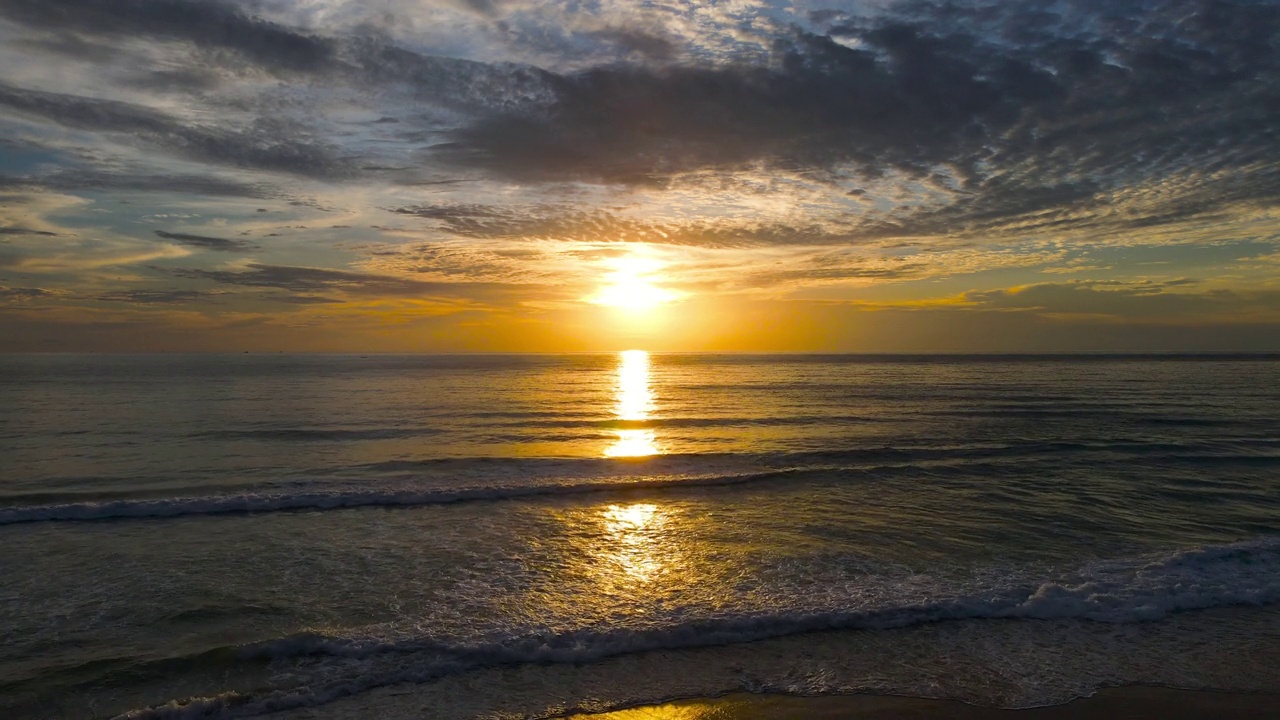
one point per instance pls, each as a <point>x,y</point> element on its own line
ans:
<point>152,297</point>
<point>26,231</point>
<point>207,243</point>
<point>308,280</point>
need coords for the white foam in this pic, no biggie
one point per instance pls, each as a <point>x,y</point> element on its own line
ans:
<point>340,498</point>
<point>1116,592</point>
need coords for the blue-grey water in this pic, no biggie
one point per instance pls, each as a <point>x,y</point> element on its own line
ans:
<point>524,536</point>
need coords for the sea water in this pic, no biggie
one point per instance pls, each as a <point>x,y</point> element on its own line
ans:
<point>528,535</point>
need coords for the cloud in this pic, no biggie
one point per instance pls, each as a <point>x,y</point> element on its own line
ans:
<point>265,143</point>
<point>22,294</point>
<point>88,178</point>
<point>1132,301</point>
<point>646,44</point>
<point>306,300</point>
<point>220,28</point>
<point>307,280</point>
<point>563,223</point>
<point>153,297</point>
<point>206,24</point>
<point>26,231</point>
<point>1027,114</point>
<point>206,242</point>
<point>1024,127</point>
<point>819,104</point>
<point>460,262</point>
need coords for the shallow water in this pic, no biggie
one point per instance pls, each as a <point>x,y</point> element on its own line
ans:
<point>524,535</point>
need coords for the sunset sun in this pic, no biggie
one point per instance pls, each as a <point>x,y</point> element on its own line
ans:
<point>634,284</point>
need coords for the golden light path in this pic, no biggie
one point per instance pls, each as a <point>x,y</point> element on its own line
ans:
<point>635,404</point>
<point>632,530</point>
<point>630,553</point>
<point>632,544</point>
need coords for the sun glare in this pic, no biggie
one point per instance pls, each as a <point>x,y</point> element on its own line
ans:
<point>635,404</point>
<point>633,542</point>
<point>633,285</point>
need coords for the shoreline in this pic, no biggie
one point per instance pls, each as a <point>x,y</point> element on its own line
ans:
<point>1133,702</point>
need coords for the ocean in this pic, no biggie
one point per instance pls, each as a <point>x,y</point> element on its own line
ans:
<point>523,536</point>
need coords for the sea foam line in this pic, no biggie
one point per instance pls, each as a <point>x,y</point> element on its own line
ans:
<point>664,472</point>
<point>1126,591</point>
<point>282,502</point>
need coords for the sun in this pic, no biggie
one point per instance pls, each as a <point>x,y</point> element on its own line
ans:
<point>632,285</point>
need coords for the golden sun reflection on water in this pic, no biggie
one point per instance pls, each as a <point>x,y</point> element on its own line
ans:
<point>634,533</point>
<point>635,404</point>
<point>632,443</point>
<point>624,557</point>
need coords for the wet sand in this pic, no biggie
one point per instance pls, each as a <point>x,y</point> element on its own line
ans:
<point>1127,703</point>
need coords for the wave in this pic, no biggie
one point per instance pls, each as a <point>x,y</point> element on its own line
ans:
<point>696,422</point>
<point>320,435</point>
<point>493,421</point>
<point>692,462</point>
<point>280,502</point>
<point>1110,413</point>
<point>406,483</point>
<point>1118,592</point>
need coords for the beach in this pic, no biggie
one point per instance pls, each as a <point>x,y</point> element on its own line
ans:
<point>1127,703</point>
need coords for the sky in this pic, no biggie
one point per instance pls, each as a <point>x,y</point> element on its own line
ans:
<point>564,175</point>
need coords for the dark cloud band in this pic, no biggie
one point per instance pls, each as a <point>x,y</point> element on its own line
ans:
<point>206,242</point>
